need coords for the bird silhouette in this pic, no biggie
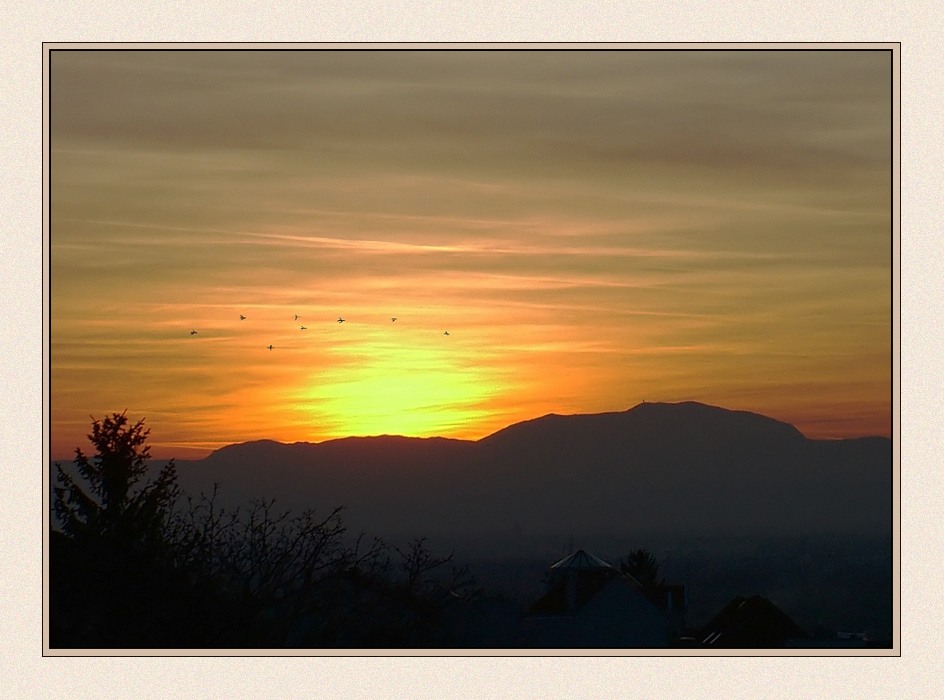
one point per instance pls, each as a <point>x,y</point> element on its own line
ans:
<point>393,319</point>
<point>340,320</point>
<point>270,347</point>
<point>296,317</point>
<point>445,332</point>
<point>193,332</point>
<point>241,317</point>
<point>303,328</point>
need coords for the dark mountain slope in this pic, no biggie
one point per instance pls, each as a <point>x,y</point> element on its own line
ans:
<point>680,469</point>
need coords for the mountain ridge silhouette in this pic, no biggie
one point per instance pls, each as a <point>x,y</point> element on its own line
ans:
<point>682,468</point>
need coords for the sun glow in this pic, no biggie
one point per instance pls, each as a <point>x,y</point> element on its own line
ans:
<point>414,389</point>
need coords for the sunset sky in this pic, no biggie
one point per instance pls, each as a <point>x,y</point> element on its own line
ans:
<point>592,228</point>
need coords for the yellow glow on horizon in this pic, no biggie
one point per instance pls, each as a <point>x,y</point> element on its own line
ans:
<point>423,388</point>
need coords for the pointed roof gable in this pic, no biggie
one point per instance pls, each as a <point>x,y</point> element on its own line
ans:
<point>754,623</point>
<point>582,560</point>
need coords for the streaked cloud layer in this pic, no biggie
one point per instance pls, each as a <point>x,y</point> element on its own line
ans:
<point>593,228</point>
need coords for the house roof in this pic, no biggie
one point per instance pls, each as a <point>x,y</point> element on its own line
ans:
<point>572,582</point>
<point>752,622</point>
<point>565,596</point>
<point>583,560</point>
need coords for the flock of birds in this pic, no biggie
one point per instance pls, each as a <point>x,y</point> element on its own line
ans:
<point>393,319</point>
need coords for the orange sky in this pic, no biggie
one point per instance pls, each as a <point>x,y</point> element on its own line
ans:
<point>592,228</point>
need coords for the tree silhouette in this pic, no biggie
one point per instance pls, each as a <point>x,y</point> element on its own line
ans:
<point>113,579</point>
<point>417,563</point>
<point>642,566</point>
<point>110,507</point>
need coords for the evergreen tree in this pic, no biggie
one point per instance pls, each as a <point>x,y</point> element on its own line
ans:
<point>110,506</point>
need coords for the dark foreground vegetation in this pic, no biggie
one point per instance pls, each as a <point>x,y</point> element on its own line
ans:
<point>136,566</point>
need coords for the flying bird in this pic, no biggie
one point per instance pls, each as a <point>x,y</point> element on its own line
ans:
<point>193,332</point>
<point>241,317</point>
<point>340,320</point>
<point>445,332</point>
<point>393,319</point>
<point>303,328</point>
<point>270,347</point>
<point>296,317</point>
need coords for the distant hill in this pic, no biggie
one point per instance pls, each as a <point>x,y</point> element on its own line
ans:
<point>658,468</point>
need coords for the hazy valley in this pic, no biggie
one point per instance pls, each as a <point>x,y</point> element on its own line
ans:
<point>730,502</point>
